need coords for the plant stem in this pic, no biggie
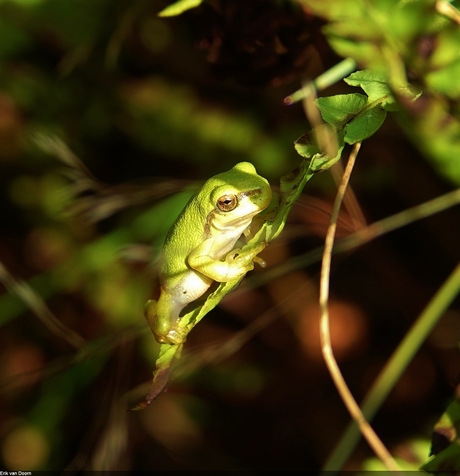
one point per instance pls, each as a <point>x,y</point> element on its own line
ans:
<point>326,346</point>
<point>396,365</point>
<point>329,77</point>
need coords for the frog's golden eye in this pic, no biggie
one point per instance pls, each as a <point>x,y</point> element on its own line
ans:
<point>227,203</point>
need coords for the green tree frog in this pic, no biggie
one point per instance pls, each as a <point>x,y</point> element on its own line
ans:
<point>201,247</point>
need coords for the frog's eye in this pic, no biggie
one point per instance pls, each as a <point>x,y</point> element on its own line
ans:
<point>227,203</point>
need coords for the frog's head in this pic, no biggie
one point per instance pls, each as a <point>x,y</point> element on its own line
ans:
<point>237,196</point>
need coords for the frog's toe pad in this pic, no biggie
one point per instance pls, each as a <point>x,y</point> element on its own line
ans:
<point>261,262</point>
<point>150,309</point>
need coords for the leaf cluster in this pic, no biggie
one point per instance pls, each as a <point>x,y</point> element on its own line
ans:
<point>350,118</point>
<point>416,46</point>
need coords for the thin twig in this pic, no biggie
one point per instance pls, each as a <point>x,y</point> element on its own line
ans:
<point>326,346</point>
<point>326,138</point>
<point>397,364</point>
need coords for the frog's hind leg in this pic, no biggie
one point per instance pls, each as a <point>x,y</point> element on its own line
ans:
<point>150,313</point>
<point>162,315</point>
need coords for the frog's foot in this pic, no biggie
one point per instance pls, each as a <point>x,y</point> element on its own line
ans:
<point>173,337</point>
<point>246,258</point>
<point>260,261</point>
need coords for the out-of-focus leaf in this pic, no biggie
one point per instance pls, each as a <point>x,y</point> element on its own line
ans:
<point>179,7</point>
<point>443,80</point>
<point>376,33</point>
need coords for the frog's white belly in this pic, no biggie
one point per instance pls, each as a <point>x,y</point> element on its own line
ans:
<point>192,286</point>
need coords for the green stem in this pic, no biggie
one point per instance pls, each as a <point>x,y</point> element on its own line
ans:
<point>396,366</point>
<point>329,77</point>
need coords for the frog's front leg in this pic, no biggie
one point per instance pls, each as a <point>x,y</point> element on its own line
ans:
<point>237,263</point>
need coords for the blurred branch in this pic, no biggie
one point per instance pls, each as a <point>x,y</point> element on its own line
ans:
<point>75,57</point>
<point>36,304</point>
<point>120,34</point>
<point>113,441</point>
<point>105,200</point>
<point>361,237</point>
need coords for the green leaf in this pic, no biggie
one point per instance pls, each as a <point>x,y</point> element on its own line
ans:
<point>340,108</point>
<point>308,147</point>
<point>167,356</point>
<point>364,125</point>
<point>352,113</point>
<point>179,7</point>
<point>446,442</point>
<point>375,85</point>
<point>291,186</point>
<point>446,463</point>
